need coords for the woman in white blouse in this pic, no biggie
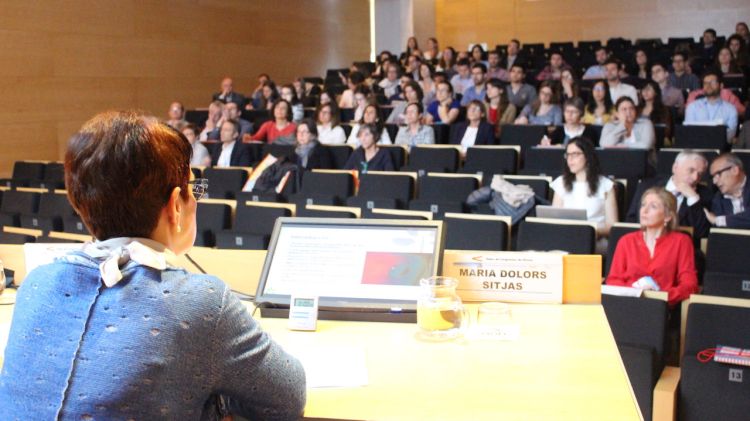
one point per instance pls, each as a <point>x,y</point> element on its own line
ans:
<point>369,116</point>
<point>330,131</point>
<point>583,187</point>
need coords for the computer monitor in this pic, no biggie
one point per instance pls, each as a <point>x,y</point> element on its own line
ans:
<point>352,265</point>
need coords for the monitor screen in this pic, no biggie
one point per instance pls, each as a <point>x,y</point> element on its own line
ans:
<point>349,262</point>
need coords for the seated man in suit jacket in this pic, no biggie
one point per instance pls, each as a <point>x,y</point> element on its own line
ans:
<point>231,152</point>
<point>692,197</point>
<point>731,204</point>
<point>475,130</point>
<point>228,94</point>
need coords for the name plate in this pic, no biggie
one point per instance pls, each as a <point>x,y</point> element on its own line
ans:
<point>523,277</point>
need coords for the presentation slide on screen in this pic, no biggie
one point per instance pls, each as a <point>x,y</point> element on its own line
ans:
<point>351,261</point>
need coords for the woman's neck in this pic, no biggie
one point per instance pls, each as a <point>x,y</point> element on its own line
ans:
<point>281,123</point>
<point>414,127</point>
<point>573,126</point>
<point>652,233</point>
<point>581,176</point>
<point>370,151</point>
<point>474,123</point>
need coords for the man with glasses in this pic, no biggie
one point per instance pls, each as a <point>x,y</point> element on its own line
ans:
<point>680,78</point>
<point>731,204</point>
<point>684,183</point>
<point>711,109</point>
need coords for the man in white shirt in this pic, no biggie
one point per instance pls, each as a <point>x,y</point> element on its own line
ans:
<point>618,89</point>
<point>230,153</point>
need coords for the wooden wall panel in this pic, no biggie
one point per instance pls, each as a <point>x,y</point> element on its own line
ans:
<point>65,61</point>
<point>460,22</point>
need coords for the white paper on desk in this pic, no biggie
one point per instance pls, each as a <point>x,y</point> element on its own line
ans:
<point>341,366</point>
<point>621,291</point>
<point>4,333</point>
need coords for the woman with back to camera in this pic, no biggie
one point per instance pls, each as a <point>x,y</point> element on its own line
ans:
<point>544,110</point>
<point>368,156</point>
<point>116,330</point>
<point>310,153</point>
<point>370,116</point>
<point>573,126</point>
<point>582,186</point>
<point>599,110</point>
<point>657,257</point>
<point>280,129</point>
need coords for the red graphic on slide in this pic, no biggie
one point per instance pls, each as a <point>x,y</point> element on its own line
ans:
<point>384,268</point>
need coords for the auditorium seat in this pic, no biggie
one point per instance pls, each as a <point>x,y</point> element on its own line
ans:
<point>323,211</point>
<point>544,234</point>
<point>490,160</point>
<point>224,183</point>
<point>526,136</point>
<point>713,390</point>
<point>378,213</point>
<point>324,188</point>
<point>441,193</point>
<point>211,218</point>
<point>727,274</point>
<point>54,177</point>
<point>253,225</point>
<point>53,207</point>
<point>379,189</point>
<point>665,159</point>
<point>17,203</point>
<point>744,155</point>
<point>25,174</point>
<point>433,158</point>
<point>278,150</point>
<point>641,340</point>
<point>339,154</point>
<point>15,238</point>
<point>543,161</point>
<point>623,163</point>
<point>476,232</point>
<point>399,154</point>
<point>74,225</point>
<point>701,137</point>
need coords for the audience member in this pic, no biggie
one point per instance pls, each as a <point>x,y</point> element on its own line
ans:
<point>412,93</point>
<point>447,62</point>
<point>599,110</point>
<point>462,80</point>
<point>213,122</point>
<point>692,197</point>
<point>730,206</point>
<point>289,95</point>
<point>280,128</point>
<point>353,80</point>
<point>478,91</point>
<point>200,156</point>
<point>310,153</point>
<point>383,60</point>
<point>738,48</point>
<point>553,70</point>
<point>726,64</point>
<point>680,78</point>
<point>618,89</point>
<point>325,98</point>
<point>658,257</point>
<point>582,186</point>
<point>598,71</point>
<point>475,130</point>
<point>499,110</point>
<point>513,56</point>
<point>258,91</point>
<point>432,52</point>
<point>176,115</point>
<point>329,128</point>
<point>227,93</point>
<point>368,156</point>
<point>370,116</point>
<point>231,152</point>
<point>640,67</point>
<point>725,94</point>
<point>494,69</point>
<point>572,127</point>
<point>390,82</point>
<point>232,112</point>
<point>653,109</point>
<point>544,110</point>
<point>362,97</point>
<point>520,94</point>
<point>711,109</point>
<point>708,44</point>
<point>412,66</point>
<point>742,30</point>
<point>569,85</point>
<point>477,54</point>
<point>411,46</point>
<point>414,132</point>
<point>670,96</point>
<point>445,108</point>
<point>427,83</point>
<point>268,96</point>
<point>628,131</point>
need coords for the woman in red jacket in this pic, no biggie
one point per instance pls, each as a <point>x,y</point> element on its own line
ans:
<point>657,257</point>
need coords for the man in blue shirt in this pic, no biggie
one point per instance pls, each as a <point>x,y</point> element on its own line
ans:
<point>479,90</point>
<point>711,109</point>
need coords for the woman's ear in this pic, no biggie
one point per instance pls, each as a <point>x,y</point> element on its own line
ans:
<point>174,208</point>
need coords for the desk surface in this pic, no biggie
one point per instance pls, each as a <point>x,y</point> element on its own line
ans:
<point>565,365</point>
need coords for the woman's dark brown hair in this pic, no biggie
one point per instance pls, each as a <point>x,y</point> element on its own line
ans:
<point>120,169</point>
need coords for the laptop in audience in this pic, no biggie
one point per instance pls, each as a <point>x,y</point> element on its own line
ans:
<point>543,211</point>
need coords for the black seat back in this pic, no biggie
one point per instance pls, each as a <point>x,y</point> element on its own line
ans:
<point>427,159</point>
<point>575,239</point>
<point>701,137</point>
<point>211,218</point>
<point>475,234</point>
<point>490,161</point>
<point>398,187</point>
<point>225,183</point>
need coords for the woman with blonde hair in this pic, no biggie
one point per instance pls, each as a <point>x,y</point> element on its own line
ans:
<point>657,257</point>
